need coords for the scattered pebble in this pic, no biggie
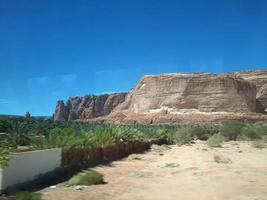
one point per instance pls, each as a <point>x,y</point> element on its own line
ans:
<point>53,187</point>
<point>159,148</point>
<point>170,165</point>
<point>79,187</point>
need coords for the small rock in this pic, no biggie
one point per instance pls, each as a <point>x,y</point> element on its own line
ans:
<point>134,157</point>
<point>79,187</point>
<point>171,165</point>
<point>53,187</point>
<point>222,159</point>
<point>159,148</point>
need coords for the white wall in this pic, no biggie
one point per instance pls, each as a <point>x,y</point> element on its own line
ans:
<point>27,166</point>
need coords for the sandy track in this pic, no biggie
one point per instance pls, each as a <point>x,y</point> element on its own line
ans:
<point>196,177</point>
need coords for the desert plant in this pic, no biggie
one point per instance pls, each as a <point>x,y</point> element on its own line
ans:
<point>203,132</point>
<point>4,153</point>
<point>258,144</point>
<point>264,138</point>
<point>250,131</point>
<point>221,159</point>
<point>231,129</point>
<point>182,136</point>
<point>215,140</point>
<point>87,178</point>
<point>24,195</point>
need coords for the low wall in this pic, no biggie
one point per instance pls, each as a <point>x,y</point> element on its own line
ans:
<point>76,159</point>
<point>26,166</point>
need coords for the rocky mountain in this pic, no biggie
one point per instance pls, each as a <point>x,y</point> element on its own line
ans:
<point>175,98</point>
<point>182,92</point>
<point>87,107</point>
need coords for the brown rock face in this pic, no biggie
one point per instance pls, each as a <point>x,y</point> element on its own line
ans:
<point>259,78</point>
<point>176,98</point>
<point>184,92</point>
<point>88,106</point>
<point>262,99</point>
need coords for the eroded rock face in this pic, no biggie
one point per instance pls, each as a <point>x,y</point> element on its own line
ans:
<point>175,98</point>
<point>182,92</point>
<point>262,99</point>
<point>259,78</point>
<point>87,107</point>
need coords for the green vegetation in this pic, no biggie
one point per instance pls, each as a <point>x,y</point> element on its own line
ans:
<point>260,144</point>
<point>4,153</point>
<point>44,134</point>
<point>215,140</point>
<point>231,129</point>
<point>87,178</point>
<point>27,196</point>
<point>182,136</point>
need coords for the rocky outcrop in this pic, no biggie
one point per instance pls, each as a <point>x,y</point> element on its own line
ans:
<point>186,92</point>
<point>259,78</point>
<point>90,106</point>
<point>262,99</point>
<point>175,98</point>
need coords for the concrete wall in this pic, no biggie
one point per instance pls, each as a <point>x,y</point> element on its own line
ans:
<point>27,166</point>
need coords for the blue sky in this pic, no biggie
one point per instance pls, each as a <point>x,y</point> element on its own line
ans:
<point>52,49</point>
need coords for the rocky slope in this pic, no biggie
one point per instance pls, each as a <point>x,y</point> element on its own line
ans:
<point>174,98</point>
<point>182,92</point>
<point>87,107</point>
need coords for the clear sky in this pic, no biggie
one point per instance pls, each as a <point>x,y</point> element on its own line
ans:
<point>53,49</point>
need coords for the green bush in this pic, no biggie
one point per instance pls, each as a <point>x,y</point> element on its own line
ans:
<point>4,153</point>
<point>251,132</point>
<point>182,136</point>
<point>27,196</point>
<point>231,129</point>
<point>88,178</point>
<point>261,128</point>
<point>215,140</point>
<point>203,132</point>
<point>258,144</point>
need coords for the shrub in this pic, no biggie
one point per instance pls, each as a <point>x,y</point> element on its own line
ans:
<point>221,159</point>
<point>264,138</point>
<point>250,132</point>
<point>215,140</point>
<point>88,178</point>
<point>261,128</point>
<point>258,144</point>
<point>204,132</point>
<point>4,153</point>
<point>231,129</point>
<point>182,136</point>
<point>27,196</point>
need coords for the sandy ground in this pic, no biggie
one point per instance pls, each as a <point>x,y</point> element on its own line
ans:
<point>187,172</point>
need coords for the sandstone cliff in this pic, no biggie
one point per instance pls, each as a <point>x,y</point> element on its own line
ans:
<point>184,92</point>
<point>87,107</point>
<point>175,98</point>
<point>259,78</point>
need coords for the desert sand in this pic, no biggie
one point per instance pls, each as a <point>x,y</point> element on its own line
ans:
<point>188,172</point>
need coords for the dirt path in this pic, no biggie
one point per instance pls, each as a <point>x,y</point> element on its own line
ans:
<point>186,173</point>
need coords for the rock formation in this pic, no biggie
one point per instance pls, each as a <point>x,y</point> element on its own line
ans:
<point>259,78</point>
<point>182,92</point>
<point>87,107</point>
<point>174,98</point>
<point>262,99</point>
